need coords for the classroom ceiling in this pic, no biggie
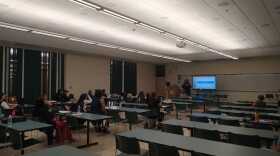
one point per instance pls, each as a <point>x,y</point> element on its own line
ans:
<point>233,28</point>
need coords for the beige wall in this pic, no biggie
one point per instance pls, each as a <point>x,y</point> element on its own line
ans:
<point>84,72</point>
<point>146,80</point>
<point>243,66</point>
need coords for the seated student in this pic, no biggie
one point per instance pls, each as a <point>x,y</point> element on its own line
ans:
<point>98,107</point>
<point>6,106</point>
<point>260,102</point>
<point>154,106</point>
<point>83,103</point>
<point>72,100</point>
<point>141,97</point>
<point>47,115</point>
<point>61,95</point>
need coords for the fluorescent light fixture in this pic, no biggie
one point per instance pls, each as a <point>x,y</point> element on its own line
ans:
<point>117,15</point>
<point>51,34</point>
<point>209,49</point>
<point>107,45</point>
<point>127,49</point>
<point>162,56</point>
<point>48,34</point>
<point>13,27</point>
<point>150,27</point>
<point>86,4</point>
<point>223,54</point>
<point>173,36</point>
<point>82,40</point>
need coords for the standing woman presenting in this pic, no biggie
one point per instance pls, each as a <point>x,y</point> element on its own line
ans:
<point>187,87</point>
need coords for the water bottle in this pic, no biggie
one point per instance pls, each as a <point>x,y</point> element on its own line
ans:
<point>10,120</point>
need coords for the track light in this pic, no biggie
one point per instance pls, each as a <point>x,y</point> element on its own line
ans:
<point>150,27</point>
<point>13,27</point>
<point>130,20</point>
<point>107,45</point>
<point>117,15</point>
<point>173,36</point>
<point>71,38</point>
<point>82,40</point>
<point>86,4</point>
<point>48,34</point>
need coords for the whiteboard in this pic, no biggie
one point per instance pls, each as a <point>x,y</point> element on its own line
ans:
<point>249,82</point>
<point>244,82</point>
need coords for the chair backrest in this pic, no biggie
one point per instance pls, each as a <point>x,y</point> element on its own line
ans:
<point>199,119</point>
<point>245,140</point>
<point>199,154</point>
<point>1,113</point>
<point>115,115</point>
<point>127,145</point>
<point>206,134</point>
<point>214,112</point>
<point>228,122</point>
<point>260,126</point>
<point>173,129</point>
<point>180,107</point>
<point>162,150</point>
<point>131,117</point>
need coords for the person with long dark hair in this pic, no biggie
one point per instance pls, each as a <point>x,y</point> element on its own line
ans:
<point>187,87</point>
<point>82,104</point>
<point>98,107</point>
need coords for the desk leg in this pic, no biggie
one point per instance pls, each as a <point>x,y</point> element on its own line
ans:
<point>21,142</point>
<point>130,126</point>
<point>88,137</point>
<point>204,108</point>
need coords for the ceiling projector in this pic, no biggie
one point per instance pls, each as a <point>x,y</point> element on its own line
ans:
<point>181,44</point>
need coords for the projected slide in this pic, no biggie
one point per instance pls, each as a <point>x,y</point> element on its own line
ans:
<point>204,82</point>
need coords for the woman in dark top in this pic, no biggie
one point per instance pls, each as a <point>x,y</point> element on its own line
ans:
<point>82,104</point>
<point>260,102</point>
<point>187,87</point>
<point>45,113</point>
<point>154,105</point>
<point>141,97</point>
<point>98,107</point>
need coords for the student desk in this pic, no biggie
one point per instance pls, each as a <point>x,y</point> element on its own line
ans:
<point>128,110</point>
<point>250,108</point>
<point>89,117</point>
<point>60,151</point>
<point>190,102</point>
<point>192,144</point>
<point>217,117</point>
<point>275,116</point>
<point>25,126</point>
<point>134,105</point>
<point>264,134</point>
